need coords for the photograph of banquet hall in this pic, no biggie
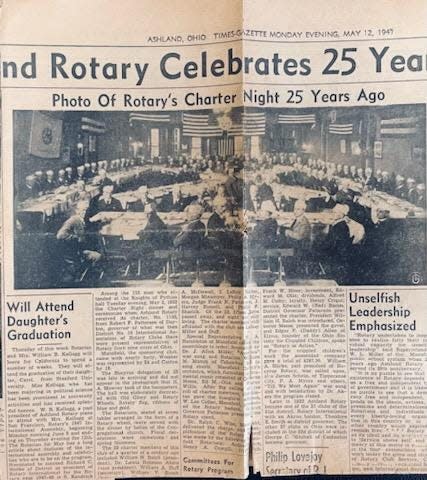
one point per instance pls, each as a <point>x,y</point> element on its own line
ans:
<point>336,196</point>
<point>220,197</point>
<point>112,199</point>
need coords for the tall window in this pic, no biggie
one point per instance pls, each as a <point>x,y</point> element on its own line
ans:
<point>196,147</point>
<point>155,142</point>
<point>238,145</point>
<point>255,146</point>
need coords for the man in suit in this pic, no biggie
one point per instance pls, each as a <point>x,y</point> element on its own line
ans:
<point>338,244</point>
<point>69,175</point>
<point>264,234</point>
<point>30,189</point>
<point>39,180</point>
<point>385,183</point>
<point>186,175</point>
<point>400,191</point>
<point>330,185</point>
<point>360,177</point>
<point>370,182</point>
<point>155,235</point>
<point>106,202</point>
<point>264,192</point>
<point>139,204</point>
<point>103,180</point>
<point>61,180</point>
<point>81,193</point>
<point>91,172</point>
<point>49,183</point>
<point>412,195</point>
<point>80,173</point>
<point>300,229</point>
<point>346,171</point>
<point>74,227</point>
<point>233,188</point>
<point>77,252</point>
<point>344,195</point>
<point>216,227</point>
<point>421,190</point>
<point>192,235</point>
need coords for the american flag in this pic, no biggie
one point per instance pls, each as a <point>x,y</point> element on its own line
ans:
<point>396,127</point>
<point>299,118</point>
<point>149,117</point>
<point>93,126</point>
<point>197,125</point>
<point>252,124</point>
<point>341,128</point>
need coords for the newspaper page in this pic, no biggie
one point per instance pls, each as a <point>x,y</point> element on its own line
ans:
<point>336,210</point>
<point>123,299</point>
<point>213,229</point>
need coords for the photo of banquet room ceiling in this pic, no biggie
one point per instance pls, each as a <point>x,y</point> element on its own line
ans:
<point>220,197</point>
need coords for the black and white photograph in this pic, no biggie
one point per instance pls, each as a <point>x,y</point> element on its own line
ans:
<point>336,196</point>
<point>115,199</point>
<point>239,196</point>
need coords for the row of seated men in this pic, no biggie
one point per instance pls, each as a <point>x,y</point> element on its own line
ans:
<point>172,199</point>
<point>334,242</point>
<point>259,191</point>
<point>359,245</point>
<point>184,170</point>
<point>361,251</point>
<point>322,175</point>
<point>82,241</point>
<point>352,256</point>
<point>337,241</point>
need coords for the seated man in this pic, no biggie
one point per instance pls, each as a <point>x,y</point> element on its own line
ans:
<point>30,189</point>
<point>92,172</point>
<point>300,229</point>
<point>344,195</point>
<point>400,190</point>
<point>421,200</point>
<point>49,183</point>
<point>346,171</point>
<point>330,185</point>
<point>369,182</point>
<point>102,179</point>
<point>82,194</point>
<point>385,183</point>
<point>154,236</point>
<point>264,234</point>
<point>61,180</point>
<point>80,173</point>
<point>174,200</point>
<point>337,244</point>
<point>106,202</point>
<point>39,181</point>
<point>186,175</point>
<point>264,192</point>
<point>139,204</point>
<point>233,188</point>
<point>216,226</point>
<point>86,171</point>
<point>77,251</point>
<point>287,203</point>
<point>192,235</point>
<point>69,175</point>
<point>412,195</point>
